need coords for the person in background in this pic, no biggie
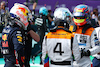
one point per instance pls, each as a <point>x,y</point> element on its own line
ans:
<point>4,13</point>
<point>58,44</point>
<point>42,26</point>
<point>2,7</point>
<point>85,34</point>
<point>99,20</point>
<point>50,18</point>
<point>94,15</point>
<point>96,60</point>
<point>34,6</point>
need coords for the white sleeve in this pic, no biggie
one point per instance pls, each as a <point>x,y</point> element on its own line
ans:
<point>94,43</point>
<point>76,50</point>
<point>44,49</point>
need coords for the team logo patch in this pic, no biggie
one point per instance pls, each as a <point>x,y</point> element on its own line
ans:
<point>4,37</point>
<point>83,39</point>
<point>19,38</point>
<point>5,44</point>
<point>82,44</point>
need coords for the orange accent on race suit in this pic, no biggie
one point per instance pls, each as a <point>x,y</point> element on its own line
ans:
<point>71,28</point>
<point>5,44</point>
<point>59,34</point>
<point>79,30</point>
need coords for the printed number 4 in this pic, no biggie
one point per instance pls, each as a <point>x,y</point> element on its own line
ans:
<point>58,45</point>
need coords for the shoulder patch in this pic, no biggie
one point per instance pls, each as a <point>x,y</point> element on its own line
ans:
<point>19,36</point>
<point>89,31</point>
<point>71,28</point>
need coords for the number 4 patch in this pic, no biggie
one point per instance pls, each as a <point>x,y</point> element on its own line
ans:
<point>58,45</point>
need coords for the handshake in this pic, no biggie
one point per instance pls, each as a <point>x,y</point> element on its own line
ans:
<point>85,52</point>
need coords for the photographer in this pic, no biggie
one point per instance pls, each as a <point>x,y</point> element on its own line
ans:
<point>94,15</point>
<point>4,13</point>
<point>3,7</point>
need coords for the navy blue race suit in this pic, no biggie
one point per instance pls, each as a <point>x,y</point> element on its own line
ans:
<point>12,46</point>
